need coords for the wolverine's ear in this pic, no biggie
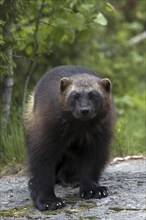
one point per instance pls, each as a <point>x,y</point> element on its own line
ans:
<point>106,84</point>
<point>64,83</point>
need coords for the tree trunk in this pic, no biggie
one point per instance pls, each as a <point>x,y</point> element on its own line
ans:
<point>8,89</point>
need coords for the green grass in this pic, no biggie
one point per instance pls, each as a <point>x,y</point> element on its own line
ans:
<point>130,127</point>
<point>12,147</point>
<point>129,136</point>
<point>16,212</point>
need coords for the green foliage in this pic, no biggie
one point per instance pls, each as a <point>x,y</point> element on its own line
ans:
<point>100,19</point>
<point>12,145</point>
<point>129,135</point>
<point>59,22</point>
<point>130,127</point>
<point>92,33</point>
<point>10,12</point>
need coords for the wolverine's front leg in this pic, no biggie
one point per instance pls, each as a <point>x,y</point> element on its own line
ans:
<point>44,152</point>
<point>42,183</point>
<point>90,171</point>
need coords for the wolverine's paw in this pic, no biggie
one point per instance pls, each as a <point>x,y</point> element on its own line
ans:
<point>49,203</point>
<point>97,192</point>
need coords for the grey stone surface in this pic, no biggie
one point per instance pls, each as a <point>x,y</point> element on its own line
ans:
<point>127,200</point>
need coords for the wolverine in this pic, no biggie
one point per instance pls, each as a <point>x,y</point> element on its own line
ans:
<point>68,130</point>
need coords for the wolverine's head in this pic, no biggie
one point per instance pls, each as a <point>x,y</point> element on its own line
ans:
<point>85,95</point>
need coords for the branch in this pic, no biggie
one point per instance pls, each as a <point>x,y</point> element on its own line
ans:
<point>32,61</point>
<point>21,56</point>
<point>120,48</point>
<point>137,39</point>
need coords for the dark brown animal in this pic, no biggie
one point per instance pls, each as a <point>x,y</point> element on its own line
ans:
<point>68,128</point>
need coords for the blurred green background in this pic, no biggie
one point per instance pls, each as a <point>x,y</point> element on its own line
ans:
<point>107,36</point>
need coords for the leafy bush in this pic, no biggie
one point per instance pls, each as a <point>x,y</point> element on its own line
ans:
<point>130,127</point>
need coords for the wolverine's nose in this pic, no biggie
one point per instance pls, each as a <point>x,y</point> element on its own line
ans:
<point>84,111</point>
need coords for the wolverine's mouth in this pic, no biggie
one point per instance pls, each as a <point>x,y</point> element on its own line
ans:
<point>84,114</point>
<point>84,118</point>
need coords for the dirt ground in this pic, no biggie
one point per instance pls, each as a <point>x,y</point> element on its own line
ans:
<point>127,200</point>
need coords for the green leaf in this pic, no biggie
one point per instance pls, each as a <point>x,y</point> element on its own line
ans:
<point>61,21</point>
<point>57,34</point>
<point>29,29</point>
<point>2,22</point>
<point>86,7</point>
<point>29,50</point>
<point>84,34</point>
<point>109,7</point>
<point>68,36</point>
<point>100,19</point>
<point>1,2</point>
<point>76,20</point>
<point>43,32</point>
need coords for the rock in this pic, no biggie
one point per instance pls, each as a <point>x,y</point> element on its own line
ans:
<point>126,182</point>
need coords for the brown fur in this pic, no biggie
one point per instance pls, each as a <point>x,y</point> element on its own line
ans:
<point>68,128</point>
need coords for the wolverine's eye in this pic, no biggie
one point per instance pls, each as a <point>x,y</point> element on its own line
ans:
<point>75,96</point>
<point>93,95</point>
